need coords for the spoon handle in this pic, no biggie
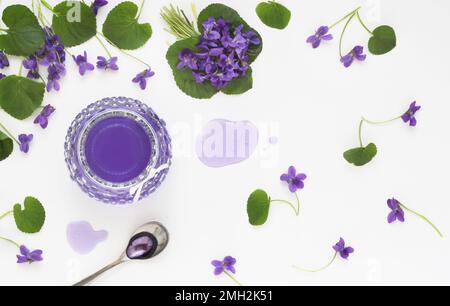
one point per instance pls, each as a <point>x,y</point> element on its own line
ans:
<point>90,278</point>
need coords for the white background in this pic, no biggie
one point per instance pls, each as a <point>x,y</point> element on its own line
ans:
<point>316,104</point>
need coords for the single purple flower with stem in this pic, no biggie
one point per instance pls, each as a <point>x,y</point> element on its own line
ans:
<point>4,62</point>
<point>409,115</point>
<point>356,53</point>
<point>107,64</point>
<point>83,64</point>
<point>226,266</point>
<point>397,213</point>
<point>97,4</point>
<point>294,180</point>
<point>24,142</point>
<point>42,118</point>
<point>339,249</point>
<point>142,77</point>
<point>320,35</point>
<point>27,256</point>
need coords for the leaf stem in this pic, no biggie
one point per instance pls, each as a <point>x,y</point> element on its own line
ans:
<point>363,24</point>
<point>360,133</point>
<point>344,18</point>
<point>232,278</point>
<point>6,214</point>
<point>380,122</point>
<point>140,10</point>
<point>296,210</point>
<point>103,45</point>
<point>10,241</point>
<point>47,6</point>
<point>341,40</point>
<point>423,218</point>
<point>9,134</point>
<point>321,269</point>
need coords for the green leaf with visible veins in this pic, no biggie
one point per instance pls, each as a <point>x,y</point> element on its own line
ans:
<point>383,40</point>
<point>24,35</point>
<point>122,28</point>
<point>20,96</point>
<point>273,14</point>
<point>31,218</point>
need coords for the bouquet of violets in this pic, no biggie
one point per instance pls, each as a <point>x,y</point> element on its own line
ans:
<point>214,54</point>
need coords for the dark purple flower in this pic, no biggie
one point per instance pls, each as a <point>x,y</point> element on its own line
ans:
<point>42,118</point>
<point>32,65</point>
<point>227,264</point>
<point>24,141</point>
<point>83,64</point>
<point>342,249</point>
<point>4,62</point>
<point>27,256</point>
<point>187,59</point>
<point>397,212</point>
<point>142,77</point>
<point>321,34</point>
<point>409,115</point>
<point>356,53</point>
<point>105,64</point>
<point>294,180</point>
<point>55,72</point>
<point>97,4</point>
<point>2,76</point>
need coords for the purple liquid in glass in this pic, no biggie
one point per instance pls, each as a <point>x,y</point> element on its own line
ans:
<point>118,149</point>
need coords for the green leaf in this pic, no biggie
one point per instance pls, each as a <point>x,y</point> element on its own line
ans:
<point>122,28</point>
<point>184,78</point>
<point>362,155</point>
<point>6,146</point>
<point>74,22</point>
<point>273,14</point>
<point>31,219</point>
<point>383,40</point>
<point>220,10</point>
<point>258,206</point>
<point>20,96</point>
<point>240,85</point>
<point>24,35</point>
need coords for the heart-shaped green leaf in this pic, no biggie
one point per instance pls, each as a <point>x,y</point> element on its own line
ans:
<point>31,219</point>
<point>20,96</point>
<point>362,155</point>
<point>24,35</point>
<point>6,146</point>
<point>273,14</point>
<point>258,206</point>
<point>383,40</point>
<point>74,22</point>
<point>239,85</point>
<point>122,28</point>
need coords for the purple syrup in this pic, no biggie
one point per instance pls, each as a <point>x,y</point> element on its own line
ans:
<point>83,238</point>
<point>118,149</point>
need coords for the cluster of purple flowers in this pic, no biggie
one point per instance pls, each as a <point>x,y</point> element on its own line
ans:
<point>53,56</point>
<point>223,53</point>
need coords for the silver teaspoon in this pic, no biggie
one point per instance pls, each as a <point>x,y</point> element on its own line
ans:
<point>147,242</point>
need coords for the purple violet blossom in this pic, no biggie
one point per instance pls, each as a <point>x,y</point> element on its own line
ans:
<point>4,62</point>
<point>27,256</point>
<point>82,63</point>
<point>342,249</point>
<point>227,264</point>
<point>97,4</point>
<point>294,180</point>
<point>142,77</point>
<point>397,212</point>
<point>356,53</point>
<point>32,65</point>
<point>42,118</point>
<point>321,34</point>
<point>24,141</point>
<point>409,116</point>
<point>107,64</point>
<point>187,59</point>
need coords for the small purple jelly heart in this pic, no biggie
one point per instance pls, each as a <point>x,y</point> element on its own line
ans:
<point>83,238</point>
<point>142,246</point>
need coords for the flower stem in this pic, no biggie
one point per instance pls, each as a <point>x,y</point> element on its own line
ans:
<point>380,122</point>
<point>232,278</point>
<point>47,5</point>
<point>296,211</point>
<point>344,18</point>
<point>8,133</point>
<point>360,133</point>
<point>321,269</point>
<point>363,24</point>
<point>103,45</point>
<point>423,218</point>
<point>341,40</point>
<point>20,69</point>
<point>6,214</point>
<point>10,241</point>
<point>140,9</point>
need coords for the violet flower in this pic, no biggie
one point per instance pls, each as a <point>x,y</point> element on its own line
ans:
<point>142,77</point>
<point>321,34</point>
<point>97,4</point>
<point>397,212</point>
<point>409,116</point>
<point>225,266</point>
<point>356,53</point>
<point>343,250</point>
<point>27,256</point>
<point>55,72</point>
<point>187,59</point>
<point>294,180</point>
<point>2,76</point>
<point>24,141</point>
<point>4,62</point>
<point>32,65</point>
<point>42,118</point>
<point>107,64</point>
<point>83,64</point>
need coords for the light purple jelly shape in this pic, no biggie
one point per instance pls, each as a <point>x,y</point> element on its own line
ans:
<point>223,142</point>
<point>83,238</point>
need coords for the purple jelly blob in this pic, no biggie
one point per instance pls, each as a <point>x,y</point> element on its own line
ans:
<point>142,246</point>
<point>118,149</point>
<point>83,238</point>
